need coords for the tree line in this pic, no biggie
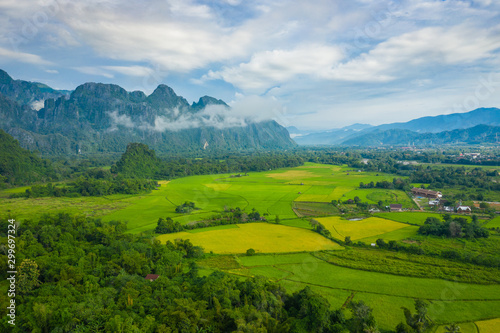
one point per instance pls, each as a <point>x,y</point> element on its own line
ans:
<point>456,227</point>
<point>229,216</point>
<point>89,186</point>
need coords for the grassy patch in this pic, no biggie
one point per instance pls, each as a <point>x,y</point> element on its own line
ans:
<point>314,208</point>
<point>297,222</point>
<point>276,259</point>
<point>220,262</point>
<point>417,218</point>
<point>32,208</point>
<point>494,223</point>
<point>464,328</point>
<point>219,227</point>
<point>262,237</point>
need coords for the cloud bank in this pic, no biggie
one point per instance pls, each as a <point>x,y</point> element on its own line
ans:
<point>242,112</point>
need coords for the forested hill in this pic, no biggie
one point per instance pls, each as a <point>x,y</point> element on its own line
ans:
<point>139,161</point>
<point>99,117</point>
<point>19,166</point>
<point>475,135</point>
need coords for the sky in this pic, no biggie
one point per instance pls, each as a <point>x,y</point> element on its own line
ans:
<point>311,64</point>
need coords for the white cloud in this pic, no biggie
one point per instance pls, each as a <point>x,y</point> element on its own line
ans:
<point>120,119</point>
<point>23,57</point>
<point>180,38</point>
<point>37,105</point>
<point>269,68</point>
<point>408,53</point>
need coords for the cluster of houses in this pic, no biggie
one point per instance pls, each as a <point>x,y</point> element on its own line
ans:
<point>435,200</point>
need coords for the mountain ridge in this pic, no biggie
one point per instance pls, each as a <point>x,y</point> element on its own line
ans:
<point>98,117</point>
<point>472,135</point>
<point>422,125</point>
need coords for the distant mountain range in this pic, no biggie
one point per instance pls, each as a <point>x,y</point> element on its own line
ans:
<point>331,137</point>
<point>474,127</point>
<point>98,117</point>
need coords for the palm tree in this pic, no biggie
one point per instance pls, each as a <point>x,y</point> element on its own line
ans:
<point>453,328</point>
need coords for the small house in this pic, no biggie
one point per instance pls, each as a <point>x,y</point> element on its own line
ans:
<point>463,209</point>
<point>152,277</point>
<point>421,192</point>
<point>396,207</point>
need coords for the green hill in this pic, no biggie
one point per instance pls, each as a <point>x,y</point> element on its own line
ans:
<point>19,166</point>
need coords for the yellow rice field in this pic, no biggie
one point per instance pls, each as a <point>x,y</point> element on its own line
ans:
<point>368,227</point>
<point>489,326</point>
<point>262,237</point>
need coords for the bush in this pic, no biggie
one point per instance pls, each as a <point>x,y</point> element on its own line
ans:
<point>250,252</point>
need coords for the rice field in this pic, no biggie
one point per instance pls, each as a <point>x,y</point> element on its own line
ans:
<point>369,228</point>
<point>386,293</point>
<point>271,193</point>
<point>489,326</point>
<point>262,237</point>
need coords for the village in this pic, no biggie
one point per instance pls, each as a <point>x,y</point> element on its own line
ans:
<point>435,201</point>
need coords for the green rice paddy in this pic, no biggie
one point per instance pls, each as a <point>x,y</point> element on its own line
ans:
<point>385,293</point>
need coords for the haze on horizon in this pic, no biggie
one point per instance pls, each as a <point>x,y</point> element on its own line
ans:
<point>316,65</point>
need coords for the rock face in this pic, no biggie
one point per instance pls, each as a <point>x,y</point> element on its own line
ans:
<point>98,117</point>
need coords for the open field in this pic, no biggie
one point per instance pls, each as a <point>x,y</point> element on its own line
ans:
<point>398,234</point>
<point>385,293</point>
<point>494,223</point>
<point>32,208</point>
<point>270,193</point>
<point>262,237</point>
<point>366,228</point>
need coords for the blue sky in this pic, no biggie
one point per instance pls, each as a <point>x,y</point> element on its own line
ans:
<point>310,64</point>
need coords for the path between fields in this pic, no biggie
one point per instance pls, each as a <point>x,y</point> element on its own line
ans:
<point>418,204</point>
